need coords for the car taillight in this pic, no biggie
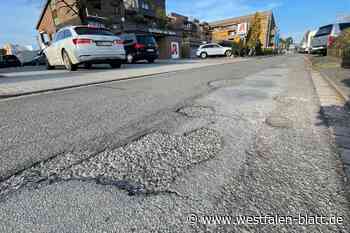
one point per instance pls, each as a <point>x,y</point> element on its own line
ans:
<point>139,46</point>
<point>331,40</point>
<point>82,41</point>
<point>118,42</point>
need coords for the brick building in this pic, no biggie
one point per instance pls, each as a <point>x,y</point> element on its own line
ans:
<point>192,31</point>
<point>228,29</point>
<point>121,16</point>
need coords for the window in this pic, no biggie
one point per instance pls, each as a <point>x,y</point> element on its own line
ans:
<point>145,5</point>
<point>56,20</point>
<point>326,30</point>
<point>67,34</point>
<point>59,36</point>
<point>53,4</point>
<point>344,26</point>
<point>130,4</point>
<point>93,31</point>
<point>146,40</point>
<point>207,47</point>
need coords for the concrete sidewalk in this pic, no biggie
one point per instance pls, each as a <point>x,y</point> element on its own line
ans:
<point>31,82</point>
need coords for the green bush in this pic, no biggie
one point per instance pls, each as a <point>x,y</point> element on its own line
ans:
<point>341,46</point>
<point>267,51</point>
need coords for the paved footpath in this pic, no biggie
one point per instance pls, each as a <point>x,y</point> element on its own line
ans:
<point>30,82</point>
<point>332,85</point>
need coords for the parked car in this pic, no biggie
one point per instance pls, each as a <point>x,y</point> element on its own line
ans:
<point>140,47</point>
<point>213,49</point>
<point>325,37</point>
<point>9,61</point>
<point>309,40</point>
<point>38,60</point>
<point>75,45</point>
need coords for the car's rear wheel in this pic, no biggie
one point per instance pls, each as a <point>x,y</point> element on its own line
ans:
<point>68,62</point>
<point>228,53</point>
<point>116,64</point>
<point>130,58</point>
<point>204,55</point>
<point>150,61</point>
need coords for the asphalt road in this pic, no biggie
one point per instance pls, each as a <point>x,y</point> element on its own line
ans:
<point>39,127</point>
<point>160,153</point>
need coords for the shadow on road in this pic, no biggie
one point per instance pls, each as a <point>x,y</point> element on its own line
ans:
<point>338,120</point>
<point>346,82</point>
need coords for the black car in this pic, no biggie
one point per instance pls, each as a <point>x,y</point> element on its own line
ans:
<point>140,47</point>
<point>9,61</point>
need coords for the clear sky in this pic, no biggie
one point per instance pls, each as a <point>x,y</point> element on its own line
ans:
<point>18,17</point>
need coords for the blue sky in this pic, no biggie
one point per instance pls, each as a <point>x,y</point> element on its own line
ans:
<point>293,17</point>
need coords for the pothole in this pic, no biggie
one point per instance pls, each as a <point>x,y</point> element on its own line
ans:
<point>152,163</point>
<point>260,83</point>
<point>196,111</point>
<point>145,166</point>
<point>279,122</point>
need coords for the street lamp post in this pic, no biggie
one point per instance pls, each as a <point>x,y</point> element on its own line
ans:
<point>122,25</point>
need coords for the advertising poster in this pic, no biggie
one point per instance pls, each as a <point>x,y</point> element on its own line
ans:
<point>175,50</point>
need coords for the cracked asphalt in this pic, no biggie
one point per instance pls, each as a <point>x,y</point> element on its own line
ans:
<point>142,155</point>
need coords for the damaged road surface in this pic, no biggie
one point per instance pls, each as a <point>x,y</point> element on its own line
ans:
<point>191,151</point>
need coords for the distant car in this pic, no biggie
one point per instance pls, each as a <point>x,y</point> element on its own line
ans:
<point>140,47</point>
<point>213,49</point>
<point>325,37</point>
<point>75,45</point>
<point>9,61</point>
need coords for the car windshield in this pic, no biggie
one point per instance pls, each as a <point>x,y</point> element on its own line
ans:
<point>146,40</point>
<point>93,31</point>
<point>326,30</point>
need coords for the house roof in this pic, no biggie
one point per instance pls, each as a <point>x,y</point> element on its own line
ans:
<point>236,20</point>
<point>42,13</point>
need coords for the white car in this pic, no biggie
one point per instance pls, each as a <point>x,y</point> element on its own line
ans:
<point>75,45</point>
<point>213,50</point>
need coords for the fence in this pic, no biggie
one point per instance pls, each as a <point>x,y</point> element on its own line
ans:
<point>339,52</point>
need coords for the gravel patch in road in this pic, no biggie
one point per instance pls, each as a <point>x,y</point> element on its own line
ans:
<point>150,164</point>
<point>42,171</point>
